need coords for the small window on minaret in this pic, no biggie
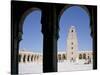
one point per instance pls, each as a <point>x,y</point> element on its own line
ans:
<point>72,43</point>
<point>72,31</point>
<point>71,47</point>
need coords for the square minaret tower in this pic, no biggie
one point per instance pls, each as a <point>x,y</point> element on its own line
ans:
<point>72,45</point>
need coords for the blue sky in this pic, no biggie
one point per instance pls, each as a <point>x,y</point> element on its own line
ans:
<point>32,36</point>
<point>76,16</point>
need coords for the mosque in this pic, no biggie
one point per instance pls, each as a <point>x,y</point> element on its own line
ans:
<point>71,55</point>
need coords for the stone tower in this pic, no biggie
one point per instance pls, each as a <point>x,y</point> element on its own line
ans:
<point>72,45</point>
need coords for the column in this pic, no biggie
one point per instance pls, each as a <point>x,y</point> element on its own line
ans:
<point>50,36</point>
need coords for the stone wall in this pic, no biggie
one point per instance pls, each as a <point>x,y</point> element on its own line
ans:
<point>36,57</point>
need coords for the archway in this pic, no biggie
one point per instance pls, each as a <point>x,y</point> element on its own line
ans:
<point>28,58</point>
<point>80,56</point>
<point>64,56</point>
<point>84,56</point>
<point>32,58</point>
<point>32,39</point>
<point>78,18</point>
<point>65,24</point>
<point>24,58</point>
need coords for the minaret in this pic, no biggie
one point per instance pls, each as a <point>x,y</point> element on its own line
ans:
<point>72,45</point>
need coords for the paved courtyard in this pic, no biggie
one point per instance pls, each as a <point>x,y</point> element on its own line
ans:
<point>62,67</point>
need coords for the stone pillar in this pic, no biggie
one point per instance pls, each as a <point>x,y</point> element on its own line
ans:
<point>21,57</point>
<point>16,37</point>
<point>49,30</point>
<point>94,35</point>
<point>26,58</point>
<point>93,26</point>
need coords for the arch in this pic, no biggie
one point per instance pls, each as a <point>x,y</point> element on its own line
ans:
<point>68,6</point>
<point>83,8</point>
<point>24,58</point>
<point>35,58</point>
<point>28,58</point>
<point>24,16</point>
<point>84,56</point>
<point>64,56</point>
<point>27,12</point>
<point>88,57</point>
<point>21,28</point>
<point>31,58</point>
<point>80,56</point>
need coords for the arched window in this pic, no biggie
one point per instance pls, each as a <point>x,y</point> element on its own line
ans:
<point>88,57</point>
<point>64,56</point>
<point>80,56</point>
<point>24,57</point>
<point>28,58</point>
<point>32,58</point>
<point>84,56</point>
<point>35,57</point>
